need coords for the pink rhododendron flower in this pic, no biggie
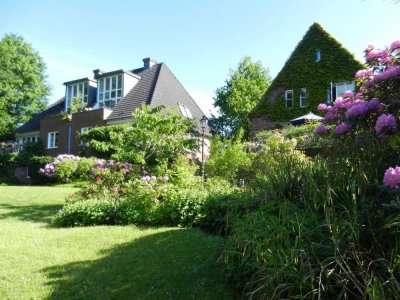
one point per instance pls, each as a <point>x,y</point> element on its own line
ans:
<point>395,45</point>
<point>392,177</point>
<point>370,48</point>
<point>146,178</point>
<point>386,123</point>
<point>322,107</point>
<point>342,128</point>
<point>373,54</point>
<point>321,129</point>
<point>340,102</point>
<point>358,96</point>
<point>153,178</point>
<point>348,94</point>
<point>165,178</point>
<point>363,73</point>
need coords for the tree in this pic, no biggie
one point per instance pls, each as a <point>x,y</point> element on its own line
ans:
<point>156,137</point>
<point>23,87</point>
<point>241,92</point>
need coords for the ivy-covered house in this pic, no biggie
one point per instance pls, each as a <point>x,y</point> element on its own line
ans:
<point>319,70</point>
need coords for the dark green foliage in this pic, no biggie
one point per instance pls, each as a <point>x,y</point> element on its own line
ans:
<point>23,89</point>
<point>32,156</point>
<point>239,95</point>
<point>97,141</point>
<point>270,251</point>
<point>302,71</point>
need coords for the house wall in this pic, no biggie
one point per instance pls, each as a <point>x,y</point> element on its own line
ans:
<point>303,70</point>
<point>93,118</point>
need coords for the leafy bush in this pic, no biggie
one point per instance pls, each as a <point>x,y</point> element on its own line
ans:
<point>229,160</point>
<point>270,252</point>
<point>66,167</point>
<point>91,212</point>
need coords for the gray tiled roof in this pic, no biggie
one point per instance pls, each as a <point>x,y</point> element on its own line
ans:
<point>142,92</point>
<point>34,123</point>
<point>157,86</point>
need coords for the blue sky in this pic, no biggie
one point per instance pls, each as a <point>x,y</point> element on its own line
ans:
<point>199,40</point>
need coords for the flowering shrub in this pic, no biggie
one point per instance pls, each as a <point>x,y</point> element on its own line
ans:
<point>375,107</point>
<point>63,167</point>
<point>391,178</point>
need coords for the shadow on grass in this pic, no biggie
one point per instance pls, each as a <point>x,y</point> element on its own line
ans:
<point>175,264</point>
<point>32,213</point>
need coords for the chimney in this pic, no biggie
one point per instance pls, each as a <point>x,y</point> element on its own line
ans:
<point>97,73</point>
<point>148,62</point>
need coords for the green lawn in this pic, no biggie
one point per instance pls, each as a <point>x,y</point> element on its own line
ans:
<point>38,261</point>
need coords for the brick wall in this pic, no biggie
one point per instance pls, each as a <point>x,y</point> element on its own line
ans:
<point>93,118</point>
<point>264,123</point>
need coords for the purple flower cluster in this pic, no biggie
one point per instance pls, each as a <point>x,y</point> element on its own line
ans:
<point>148,178</point>
<point>395,45</point>
<point>391,178</point>
<point>50,169</point>
<point>364,73</point>
<point>358,110</point>
<point>101,164</point>
<point>322,129</point>
<point>342,128</point>
<point>374,54</point>
<point>386,123</point>
<point>388,73</point>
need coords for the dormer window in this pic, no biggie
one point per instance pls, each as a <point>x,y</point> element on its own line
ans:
<point>185,111</point>
<point>74,91</point>
<point>110,90</point>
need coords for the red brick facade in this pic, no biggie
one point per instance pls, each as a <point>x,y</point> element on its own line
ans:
<point>69,130</point>
<point>264,123</point>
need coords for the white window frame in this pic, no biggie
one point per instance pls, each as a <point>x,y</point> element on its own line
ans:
<point>33,139</point>
<point>303,97</point>
<point>185,111</point>
<point>109,95</point>
<point>350,85</point>
<point>75,90</point>
<point>83,130</point>
<point>287,99</point>
<point>52,140</point>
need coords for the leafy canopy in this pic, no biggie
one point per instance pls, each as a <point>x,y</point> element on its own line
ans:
<point>241,92</point>
<point>155,138</point>
<point>23,87</point>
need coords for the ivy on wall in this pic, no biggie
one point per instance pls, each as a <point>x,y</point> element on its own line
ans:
<point>301,70</point>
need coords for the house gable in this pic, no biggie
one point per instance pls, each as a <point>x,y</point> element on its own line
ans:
<point>317,60</point>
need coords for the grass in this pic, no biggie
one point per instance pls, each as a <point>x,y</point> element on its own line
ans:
<point>39,261</point>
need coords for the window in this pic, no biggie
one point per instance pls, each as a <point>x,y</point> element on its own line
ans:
<point>185,111</point>
<point>110,90</point>
<point>52,140</point>
<point>338,89</point>
<point>317,55</point>
<point>32,139</point>
<point>303,97</point>
<point>289,98</point>
<point>83,130</point>
<point>74,91</point>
